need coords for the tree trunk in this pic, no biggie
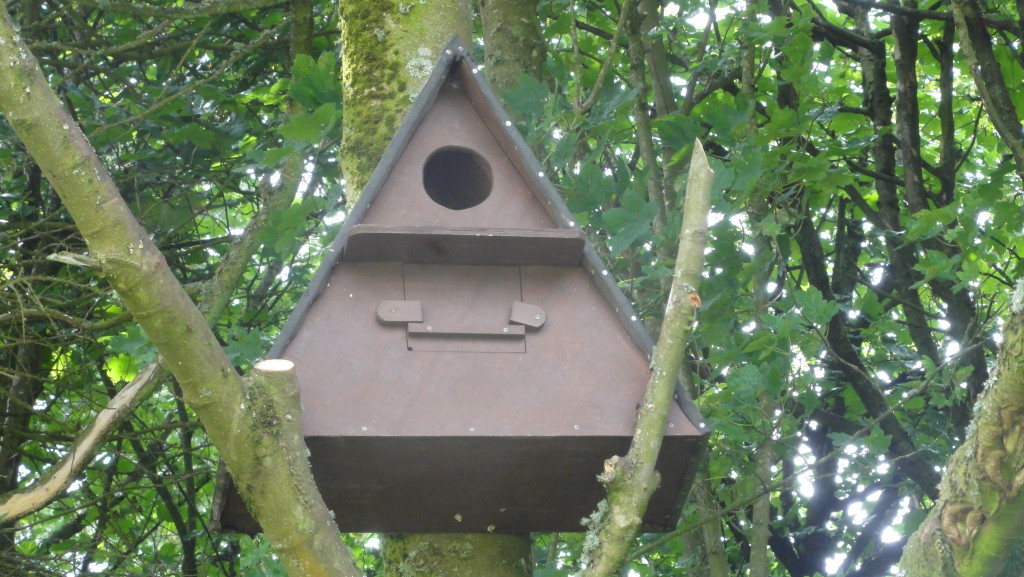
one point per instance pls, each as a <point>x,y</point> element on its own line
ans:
<point>513,43</point>
<point>975,528</point>
<point>458,555</point>
<point>388,50</point>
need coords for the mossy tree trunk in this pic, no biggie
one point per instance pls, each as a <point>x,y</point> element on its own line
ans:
<point>388,49</point>
<point>513,42</point>
<point>975,528</point>
<point>458,555</point>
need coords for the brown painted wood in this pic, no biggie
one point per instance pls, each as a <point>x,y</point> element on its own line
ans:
<point>465,428</point>
<point>425,330</point>
<point>480,246</point>
<point>472,484</point>
<point>527,314</point>
<point>399,312</point>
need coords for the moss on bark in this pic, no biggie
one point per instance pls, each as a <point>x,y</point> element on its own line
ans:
<point>975,529</point>
<point>513,42</point>
<point>458,555</point>
<point>388,50</point>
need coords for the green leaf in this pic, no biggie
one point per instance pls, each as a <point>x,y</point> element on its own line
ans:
<point>244,346</point>
<point>877,441</point>
<point>133,343</point>
<point>527,98</point>
<point>748,169</point>
<point>677,131</point>
<point>630,222</point>
<point>315,83</point>
<point>929,222</point>
<point>564,151</point>
<point>937,265</point>
<point>746,382</point>
<point>311,128</point>
<point>814,308</point>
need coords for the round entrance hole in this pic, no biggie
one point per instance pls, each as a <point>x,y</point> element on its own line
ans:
<point>457,177</point>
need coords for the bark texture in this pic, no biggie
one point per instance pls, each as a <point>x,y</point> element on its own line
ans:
<point>388,50</point>
<point>988,76</point>
<point>513,43</point>
<point>975,529</point>
<point>458,555</point>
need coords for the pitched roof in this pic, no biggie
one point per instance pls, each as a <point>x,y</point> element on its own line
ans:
<point>456,64</point>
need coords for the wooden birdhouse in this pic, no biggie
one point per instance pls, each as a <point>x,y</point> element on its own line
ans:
<point>466,361</point>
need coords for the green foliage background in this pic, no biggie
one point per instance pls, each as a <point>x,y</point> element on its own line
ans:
<point>849,315</point>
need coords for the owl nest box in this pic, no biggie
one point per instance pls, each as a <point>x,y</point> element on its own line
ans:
<point>466,362</point>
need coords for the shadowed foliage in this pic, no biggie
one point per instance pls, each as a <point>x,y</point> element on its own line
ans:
<point>864,243</point>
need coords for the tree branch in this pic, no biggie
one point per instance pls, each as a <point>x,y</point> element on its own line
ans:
<point>897,9</point>
<point>186,10</point>
<point>631,480</point>
<point>988,76</point>
<point>135,268</point>
<point>613,49</point>
<point>17,504</point>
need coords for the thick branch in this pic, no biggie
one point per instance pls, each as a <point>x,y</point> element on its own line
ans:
<point>186,10</point>
<point>215,297</point>
<point>898,9</point>
<point>988,76</point>
<point>975,528</point>
<point>644,136</point>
